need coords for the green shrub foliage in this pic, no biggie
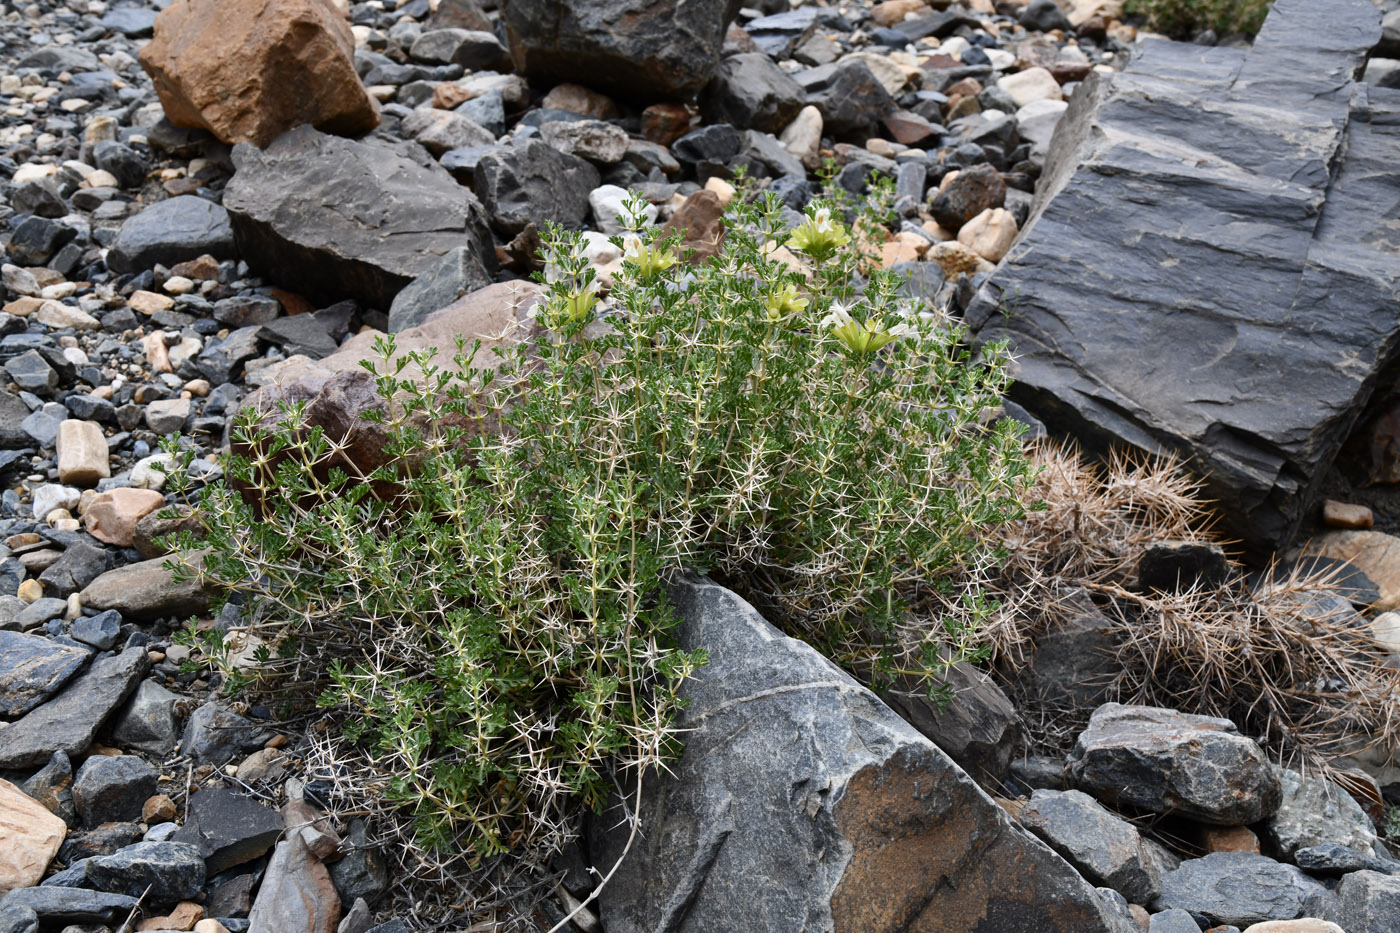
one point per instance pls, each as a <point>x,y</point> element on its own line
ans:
<point>490,607</point>
<point>1183,18</point>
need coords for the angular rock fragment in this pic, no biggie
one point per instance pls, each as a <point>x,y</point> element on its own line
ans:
<point>334,219</point>
<point>68,722</point>
<point>664,50</point>
<point>1240,889</point>
<point>248,70</point>
<point>1105,849</point>
<point>228,829</point>
<point>1164,761</point>
<point>797,775</point>
<point>296,893</point>
<point>32,669</point>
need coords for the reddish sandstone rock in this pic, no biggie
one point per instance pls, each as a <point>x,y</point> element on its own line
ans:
<point>248,70</point>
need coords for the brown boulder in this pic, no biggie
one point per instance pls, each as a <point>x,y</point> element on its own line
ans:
<point>340,393</point>
<point>249,70</point>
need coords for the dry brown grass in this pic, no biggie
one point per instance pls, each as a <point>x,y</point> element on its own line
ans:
<point>1305,677</point>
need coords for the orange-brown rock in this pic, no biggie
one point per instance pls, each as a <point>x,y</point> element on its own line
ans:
<point>112,515</point>
<point>699,221</point>
<point>249,70</point>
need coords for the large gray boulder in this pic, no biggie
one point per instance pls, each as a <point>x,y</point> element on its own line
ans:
<point>660,50</point>
<point>802,803</point>
<point>1242,889</point>
<point>333,218</point>
<point>1209,267</point>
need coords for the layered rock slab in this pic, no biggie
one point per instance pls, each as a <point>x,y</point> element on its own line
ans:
<point>333,218</point>
<point>1209,267</point>
<point>801,802</point>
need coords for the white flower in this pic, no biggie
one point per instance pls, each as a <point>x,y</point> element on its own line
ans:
<point>838,316</point>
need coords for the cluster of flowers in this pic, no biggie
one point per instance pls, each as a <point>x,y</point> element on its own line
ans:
<point>858,331</point>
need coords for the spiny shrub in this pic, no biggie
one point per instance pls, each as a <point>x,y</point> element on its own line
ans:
<point>490,603</point>
<point>1183,18</point>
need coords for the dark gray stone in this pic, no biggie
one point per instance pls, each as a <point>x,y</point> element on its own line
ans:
<point>1172,921</point>
<point>1043,16</point>
<point>454,275</point>
<point>1174,566</point>
<point>80,564</point>
<point>849,96</point>
<point>101,631</point>
<point>1333,860</point>
<point>303,334</point>
<point>172,870</point>
<point>39,197</point>
<point>1227,209</point>
<point>13,411</point>
<point>1164,761</point>
<point>532,182</point>
<point>1074,659</point>
<point>1313,811</point>
<point>971,721</point>
<point>228,829</point>
<point>60,905</point>
<point>111,789</point>
<point>36,239</point>
<point>42,428</point>
<point>393,218</point>
<point>1239,888</point>
<point>247,310</point>
<point>40,611</point>
<point>150,721</point>
<point>32,669</point>
<point>52,786</point>
<point>222,361</point>
<point>1367,902</point>
<point>126,164</point>
<point>360,873</point>
<point>665,50</point>
<point>1105,849</point>
<point>59,58</point>
<point>69,722</point>
<point>486,110</point>
<point>474,50</point>
<point>16,918</point>
<point>132,22</point>
<point>215,734</point>
<point>794,774</point>
<point>170,232</point>
<point>751,91</point>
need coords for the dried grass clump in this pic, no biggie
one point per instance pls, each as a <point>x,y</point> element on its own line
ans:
<point>1283,661</point>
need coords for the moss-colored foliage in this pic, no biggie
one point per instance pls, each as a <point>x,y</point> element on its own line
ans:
<point>497,631</point>
<point>1185,18</point>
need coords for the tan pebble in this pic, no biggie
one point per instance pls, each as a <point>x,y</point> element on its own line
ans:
<point>1346,515</point>
<point>197,387</point>
<point>67,524</point>
<point>30,590</point>
<point>155,657</point>
<point>144,302</point>
<point>277,741</point>
<point>210,926</point>
<point>158,809</point>
<point>57,515</point>
<point>1229,839</point>
<point>74,609</point>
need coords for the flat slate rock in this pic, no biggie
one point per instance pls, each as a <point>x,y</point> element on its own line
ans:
<point>228,829</point>
<point>333,218</point>
<point>68,723</point>
<point>32,669</point>
<point>1209,268</point>
<point>60,905</point>
<point>801,802</point>
<point>172,231</point>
